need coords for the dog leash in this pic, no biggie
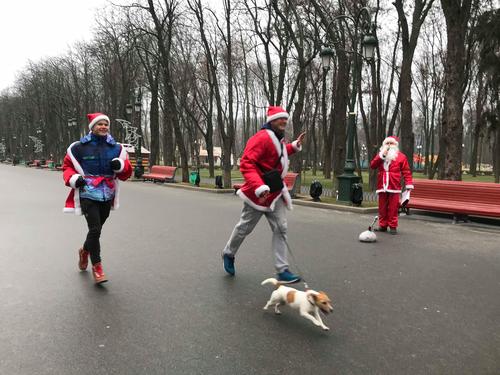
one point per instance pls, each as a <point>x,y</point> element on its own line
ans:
<point>295,261</point>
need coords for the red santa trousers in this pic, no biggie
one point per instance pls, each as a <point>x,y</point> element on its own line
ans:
<point>388,204</point>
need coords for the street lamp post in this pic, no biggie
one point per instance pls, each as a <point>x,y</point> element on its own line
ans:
<point>72,123</point>
<point>139,168</point>
<point>368,45</point>
<point>15,156</point>
<point>326,56</point>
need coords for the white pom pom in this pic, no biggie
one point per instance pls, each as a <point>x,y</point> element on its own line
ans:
<point>368,236</point>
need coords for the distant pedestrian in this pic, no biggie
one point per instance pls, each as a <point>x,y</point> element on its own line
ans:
<point>92,167</point>
<point>391,164</point>
<point>264,164</point>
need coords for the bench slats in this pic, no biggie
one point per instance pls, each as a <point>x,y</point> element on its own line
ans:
<point>161,173</point>
<point>456,197</point>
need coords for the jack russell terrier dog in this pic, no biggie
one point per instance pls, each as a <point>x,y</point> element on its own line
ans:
<point>309,303</point>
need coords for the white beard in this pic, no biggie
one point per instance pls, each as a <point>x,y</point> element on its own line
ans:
<point>392,154</point>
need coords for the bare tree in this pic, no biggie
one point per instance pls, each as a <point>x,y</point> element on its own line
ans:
<point>409,39</point>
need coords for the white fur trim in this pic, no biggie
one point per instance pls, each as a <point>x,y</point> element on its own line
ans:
<point>251,203</point>
<point>122,165</point>
<point>284,162</point>
<point>387,191</point>
<point>390,139</point>
<point>261,189</point>
<point>123,153</point>
<point>97,119</point>
<point>408,187</point>
<point>277,116</point>
<point>72,180</point>
<point>116,201</point>
<point>78,209</point>
<point>76,164</point>
<point>277,145</point>
<point>285,195</point>
<point>287,198</point>
<point>296,146</point>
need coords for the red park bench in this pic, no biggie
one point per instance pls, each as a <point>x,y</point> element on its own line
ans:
<point>291,180</point>
<point>160,173</point>
<point>35,163</point>
<point>458,198</point>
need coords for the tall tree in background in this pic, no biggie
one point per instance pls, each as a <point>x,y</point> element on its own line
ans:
<point>488,36</point>
<point>409,39</point>
<point>164,26</point>
<point>457,15</point>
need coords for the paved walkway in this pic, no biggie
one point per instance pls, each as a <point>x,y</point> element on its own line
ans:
<point>423,302</point>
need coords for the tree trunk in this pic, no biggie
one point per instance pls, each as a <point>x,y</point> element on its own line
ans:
<point>154,118</point>
<point>406,127</point>
<point>457,16</point>
<point>478,125</point>
<point>338,124</point>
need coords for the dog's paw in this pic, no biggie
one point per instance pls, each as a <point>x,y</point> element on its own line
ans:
<point>265,308</point>
<point>277,312</point>
<point>325,328</point>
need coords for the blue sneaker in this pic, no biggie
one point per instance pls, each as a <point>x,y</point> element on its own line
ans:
<point>286,277</point>
<point>228,264</point>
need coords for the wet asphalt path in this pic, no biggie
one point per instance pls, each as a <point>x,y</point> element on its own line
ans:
<point>423,302</point>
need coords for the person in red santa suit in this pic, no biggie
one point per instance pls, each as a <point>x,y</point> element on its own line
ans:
<point>264,164</point>
<point>92,168</point>
<point>391,164</point>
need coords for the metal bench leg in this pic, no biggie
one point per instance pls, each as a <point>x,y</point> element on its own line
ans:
<point>460,217</point>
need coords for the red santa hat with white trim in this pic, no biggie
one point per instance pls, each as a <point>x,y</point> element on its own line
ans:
<point>275,112</point>
<point>392,139</point>
<point>94,118</point>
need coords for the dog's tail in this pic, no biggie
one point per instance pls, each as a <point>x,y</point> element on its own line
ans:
<point>273,281</point>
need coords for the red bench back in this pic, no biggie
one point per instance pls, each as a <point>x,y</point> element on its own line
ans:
<point>289,180</point>
<point>165,170</point>
<point>467,192</point>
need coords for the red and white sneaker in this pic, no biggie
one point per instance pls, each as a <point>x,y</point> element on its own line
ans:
<point>98,273</point>
<point>83,260</point>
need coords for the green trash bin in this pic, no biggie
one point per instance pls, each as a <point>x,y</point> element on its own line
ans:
<point>194,178</point>
<point>51,164</point>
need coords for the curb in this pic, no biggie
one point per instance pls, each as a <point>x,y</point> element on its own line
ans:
<point>336,207</point>
<point>298,202</point>
<point>178,185</point>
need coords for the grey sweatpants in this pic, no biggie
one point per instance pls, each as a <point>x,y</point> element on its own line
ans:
<point>249,219</point>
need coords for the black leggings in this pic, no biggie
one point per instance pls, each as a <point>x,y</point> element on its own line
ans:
<point>96,214</point>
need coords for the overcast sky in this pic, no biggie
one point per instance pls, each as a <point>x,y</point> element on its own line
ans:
<point>33,29</point>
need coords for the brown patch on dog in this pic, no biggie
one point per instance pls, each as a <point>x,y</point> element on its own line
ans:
<point>323,302</point>
<point>290,296</point>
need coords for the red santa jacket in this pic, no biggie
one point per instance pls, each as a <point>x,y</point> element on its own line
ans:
<point>72,169</point>
<point>389,173</point>
<point>261,155</point>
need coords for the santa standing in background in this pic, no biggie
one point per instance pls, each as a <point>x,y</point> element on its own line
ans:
<point>391,164</point>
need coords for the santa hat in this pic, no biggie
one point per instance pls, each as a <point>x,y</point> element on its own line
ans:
<point>392,139</point>
<point>94,118</point>
<point>274,113</point>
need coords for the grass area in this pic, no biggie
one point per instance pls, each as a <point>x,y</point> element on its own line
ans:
<point>235,174</point>
<point>307,177</point>
<point>332,200</point>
